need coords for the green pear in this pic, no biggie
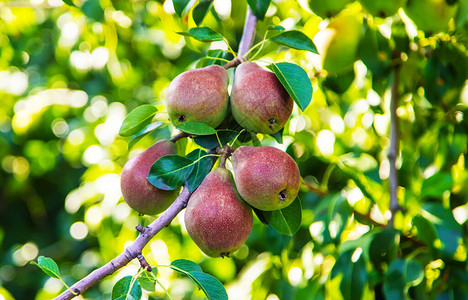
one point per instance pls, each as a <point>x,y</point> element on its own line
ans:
<point>259,102</point>
<point>266,177</point>
<point>430,15</point>
<point>382,8</point>
<point>199,95</point>
<point>216,218</point>
<point>343,33</point>
<point>137,191</point>
<point>327,8</point>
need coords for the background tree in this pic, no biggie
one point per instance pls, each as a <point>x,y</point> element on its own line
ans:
<point>381,148</point>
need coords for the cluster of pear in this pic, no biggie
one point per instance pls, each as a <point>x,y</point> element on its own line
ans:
<point>218,216</point>
<point>258,100</point>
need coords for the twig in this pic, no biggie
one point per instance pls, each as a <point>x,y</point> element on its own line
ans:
<point>132,251</point>
<point>394,139</point>
<point>179,136</point>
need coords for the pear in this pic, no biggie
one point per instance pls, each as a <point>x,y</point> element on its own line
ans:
<point>431,15</point>
<point>327,8</point>
<point>137,191</point>
<point>266,177</point>
<point>342,39</point>
<point>199,95</point>
<point>259,102</point>
<point>216,218</point>
<point>382,8</point>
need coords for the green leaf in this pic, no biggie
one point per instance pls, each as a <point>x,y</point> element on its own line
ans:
<point>278,136</point>
<point>185,265</point>
<point>276,28</point>
<point>447,229</point>
<point>201,169</point>
<point>196,128</point>
<point>199,12</point>
<point>436,185</point>
<point>147,281</point>
<point>179,6</point>
<point>203,34</point>
<point>207,61</point>
<point>69,2</point>
<point>287,220</point>
<point>142,133</point>
<point>170,172</point>
<point>401,275</point>
<point>259,7</point>
<point>137,120</point>
<point>48,265</point>
<point>296,40</point>
<point>295,81</point>
<point>211,141</point>
<point>211,286</point>
<point>93,10</point>
<point>126,288</point>
<point>384,246</point>
<point>353,272</point>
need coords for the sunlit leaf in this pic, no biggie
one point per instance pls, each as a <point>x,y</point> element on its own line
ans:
<point>170,172</point>
<point>203,34</point>
<point>199,12</point>
<point>296,40</point>
<point>259,7</point>
<point>196,128</point>
<point>201,169</point>
<point>287,220</point>
<point>295,81</point>
<point>185,265</point>
<point>137,120</point>
<point>278,136</point>
<point>126,288</point>
<point>211,141</point>
<point>353,274</point>
<point>142,133</point>
<point>147,281</point>
<point>179,6</point>
<point>48,265</point>
<point>211,286</point>
<point>69,2</point>
<point>276,28</point>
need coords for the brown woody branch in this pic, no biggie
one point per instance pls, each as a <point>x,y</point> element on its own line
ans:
<point>133,251</point>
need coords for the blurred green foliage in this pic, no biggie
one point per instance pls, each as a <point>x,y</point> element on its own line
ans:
<point>69,75</point>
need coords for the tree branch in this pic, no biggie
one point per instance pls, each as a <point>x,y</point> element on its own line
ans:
<point>248,34</point>
<point>394,140</point>
<point>147,233</point>
<point>133,251</point>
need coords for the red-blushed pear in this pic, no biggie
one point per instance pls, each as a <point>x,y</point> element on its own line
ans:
<point>259,102</point>
<point>137,191</point>
<point>217,219</point>
<point>199,95</point>
<point>266,177</point>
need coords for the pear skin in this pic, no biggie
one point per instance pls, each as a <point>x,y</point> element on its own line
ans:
<point>217,219</point>
<point>259,102</point>
<point>137,191</point>
<point>266,177</point>
<point>199,95</point>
